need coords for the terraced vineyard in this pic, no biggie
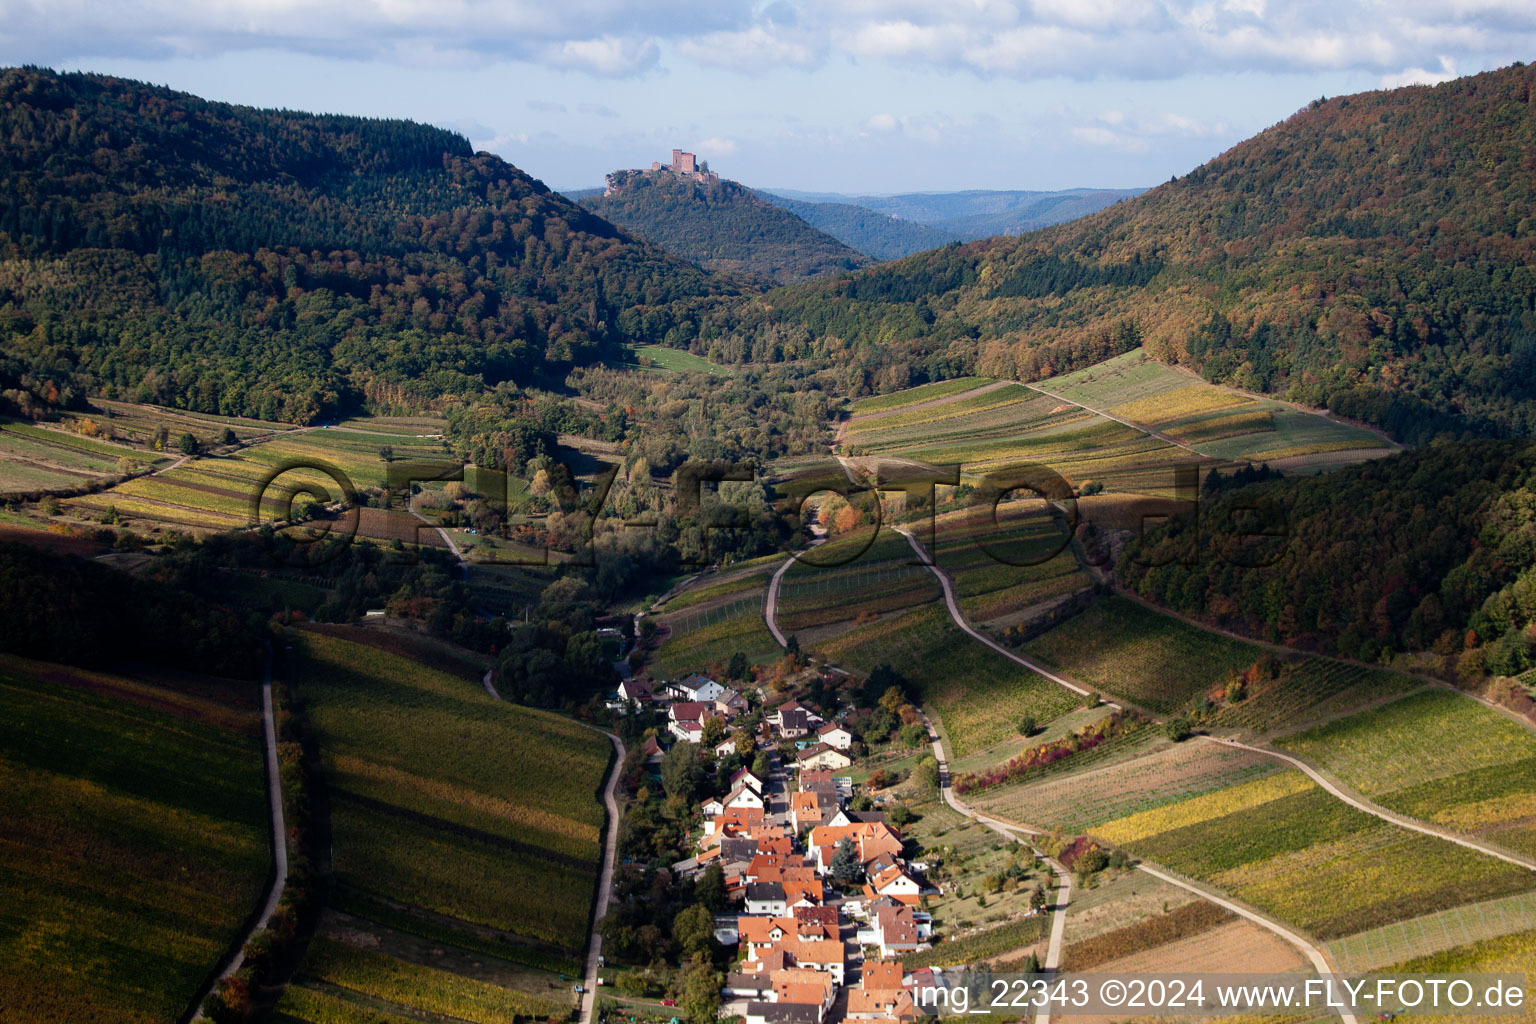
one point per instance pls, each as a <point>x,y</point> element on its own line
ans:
<point>342,983</point>
<point>1435,933</point>
<point>977,693</point>
<point>1217,422</point>
<point>1505,954</point>
<point>1085,799</point>
<point>1309,690</point>
<point>216,492</point>
<point>1437,756</point>
<point>849,582</point>
<point>707,629</point>
<point>135,840</point>
<point>1004,568</point>
<point>998,428</point>
<point>34,458</point>
<point>475,815</point>
<point>912,396</point>
<point>1154,660</point>
<point>1284,845</point>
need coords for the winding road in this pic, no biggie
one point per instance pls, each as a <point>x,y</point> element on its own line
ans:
<point>959,620</point>
<point>605,875</point>
<point>279,835</point>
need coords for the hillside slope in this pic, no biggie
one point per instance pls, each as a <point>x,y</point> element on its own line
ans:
<point>722,226</point>
<point>1439,545</point>
<point>877,235</point>
<point>1373,253</point>
<point>281,265</point>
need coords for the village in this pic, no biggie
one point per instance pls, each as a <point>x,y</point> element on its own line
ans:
<point>823,902</point>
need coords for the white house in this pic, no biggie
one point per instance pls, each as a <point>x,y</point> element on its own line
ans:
<point>743,796</point>
<point>835,736</point>
<point>766,899</point>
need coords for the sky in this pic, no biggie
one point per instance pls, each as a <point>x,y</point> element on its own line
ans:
<point>850,96</point>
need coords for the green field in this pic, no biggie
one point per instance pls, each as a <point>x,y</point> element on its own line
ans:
<point>1288,847</point>
<point>444,799</point>
<point>1155,660</point>
<point>1435,755</point>
<point>135,840</point>
<point>999,430</point>
<point>848,582</point>
<point>1435,933</point>
<point>34,458</point>
<point>1311,690</point>
<point>675,360</point>
<point>216,492</point>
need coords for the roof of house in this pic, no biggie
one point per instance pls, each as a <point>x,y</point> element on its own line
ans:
<point>796,720</point>
<point>738,849</point>
<point>818,779</point>
<point>728,696</point>
<point>759,891</point>
<point>817,951</point>
<point>830,727</point>
<point>651,746</point>
<point>896,924</point>
<point>817,915</point>
<point>688,710</point>
<point>881,974</point>
<point>758,929</point>
<point>871,1000</point>
<point>786,1013</point>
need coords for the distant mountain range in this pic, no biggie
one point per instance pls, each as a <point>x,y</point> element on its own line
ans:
<point>1373,253</point>
<point>890,227</point>
<point>949,216</point>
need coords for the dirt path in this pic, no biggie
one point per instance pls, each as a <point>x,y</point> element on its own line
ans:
<point>279,836</point>
<point>1059,922</point>
<point>1057,940</point>
<point>1361,804</point>
<point>960,620</point>
<point>1312,953</point>
<point>605,875</point>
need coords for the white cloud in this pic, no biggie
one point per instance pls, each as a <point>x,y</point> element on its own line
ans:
<point>1419,76</point>
<point>713,147</point>
<point>1140,131</point>
<point>882,124</point>
<point>754,51</point>
<point>596,110</point>
<point>1023,39</point>
<point>605,55</point>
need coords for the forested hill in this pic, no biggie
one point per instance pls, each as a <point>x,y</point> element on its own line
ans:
<point>722,226</point>
<point>1433,550</point>
<point>877,235</point>
<point>163,248</point>
<point>1372,253</point>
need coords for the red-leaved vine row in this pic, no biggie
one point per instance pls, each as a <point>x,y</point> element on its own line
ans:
<point>1086,738</point>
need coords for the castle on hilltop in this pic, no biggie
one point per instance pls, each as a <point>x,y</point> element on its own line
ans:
<point>684,165</point>
<point>687,165</point>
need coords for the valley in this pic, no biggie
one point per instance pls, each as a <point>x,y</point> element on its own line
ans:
<point>433,598</point>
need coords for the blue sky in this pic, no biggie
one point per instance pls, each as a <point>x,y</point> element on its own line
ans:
<point>837,95</point>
